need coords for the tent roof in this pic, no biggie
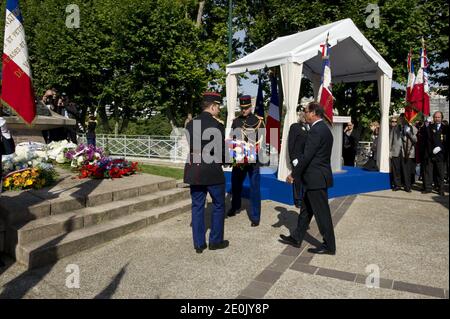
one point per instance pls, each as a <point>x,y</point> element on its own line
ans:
<point>352,57</point>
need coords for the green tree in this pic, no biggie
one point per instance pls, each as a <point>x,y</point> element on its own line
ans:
<point>402,24</point>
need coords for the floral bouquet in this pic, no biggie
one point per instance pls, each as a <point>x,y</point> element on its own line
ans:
<point>84,154</point>
<point>27,155</point>
<point>242,153</point>
<point>56,150</point>
<point>30,178</point>
<point>108,168</point>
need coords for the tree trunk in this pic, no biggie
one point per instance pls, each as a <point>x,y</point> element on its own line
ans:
<point>124,125</point>
<point>201,7</point>
<point>171,118</point>
<point>104,118</point>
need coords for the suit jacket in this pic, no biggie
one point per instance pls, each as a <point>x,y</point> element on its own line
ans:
<point>199,170</point>
<point>423,148</point>
<point>438,138</point>
<point>401,143</point>
<point>296,142</point>
<point>314,168</point>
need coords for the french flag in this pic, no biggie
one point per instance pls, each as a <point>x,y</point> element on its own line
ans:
<point>273,118</point>
<point>411,110</point>
<point>325,97</point>
<point>421,91</point>
<point>17,89</point>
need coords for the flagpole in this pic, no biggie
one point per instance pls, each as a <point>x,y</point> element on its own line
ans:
<point>230,30</point>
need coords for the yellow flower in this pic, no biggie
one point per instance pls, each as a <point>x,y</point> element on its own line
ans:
<point>7,182</point>
<point>17,183</point>
<point>29,182</point>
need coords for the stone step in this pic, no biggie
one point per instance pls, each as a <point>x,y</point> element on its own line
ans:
<point>46,227</point>
<point>50,250</point>
<point>75,194</point>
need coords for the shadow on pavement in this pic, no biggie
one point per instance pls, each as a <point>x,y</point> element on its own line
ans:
<point>109,291</point>
<point>288,219</point>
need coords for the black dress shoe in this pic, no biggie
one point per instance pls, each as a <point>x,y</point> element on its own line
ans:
<point>441,193</point>
<point>200,249</point>
<point>254,224</point>
<point>408,190</point>
<point>222,245</point>
<point>396,188</point>
<point>321,251</point>
<point>231,213</point>
<point>290,241</point>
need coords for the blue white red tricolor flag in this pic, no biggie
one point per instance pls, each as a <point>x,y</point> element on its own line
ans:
<point>273,118</point>
<point>421,91</point>
<point>325,97</point>
<point>411,110</point>
<point>17,89</point>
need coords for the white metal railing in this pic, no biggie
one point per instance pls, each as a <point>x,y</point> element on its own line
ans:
<point>172,148</point>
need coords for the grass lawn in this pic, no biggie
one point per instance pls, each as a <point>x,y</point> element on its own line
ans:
<point>161,171</point>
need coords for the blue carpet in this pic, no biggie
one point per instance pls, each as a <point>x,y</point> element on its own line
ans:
<point>351,181</point>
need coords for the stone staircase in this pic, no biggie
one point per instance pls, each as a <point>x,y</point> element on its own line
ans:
<point>47,225</point>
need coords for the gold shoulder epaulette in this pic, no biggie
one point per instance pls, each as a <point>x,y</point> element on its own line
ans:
<point>219,120</point>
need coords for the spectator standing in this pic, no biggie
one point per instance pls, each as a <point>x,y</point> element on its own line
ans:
<point>403,139</point>
<point>350,144</point>
<point>91,127</point>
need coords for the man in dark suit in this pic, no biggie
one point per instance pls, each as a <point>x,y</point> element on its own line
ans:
<point>314,170</point>
<point>438,148</point>
<point>296,146</point>
<point>204,173</point>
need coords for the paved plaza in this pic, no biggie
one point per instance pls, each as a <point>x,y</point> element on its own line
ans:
<point>404,236</point>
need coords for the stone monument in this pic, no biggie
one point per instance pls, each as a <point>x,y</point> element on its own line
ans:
<point>45,120</point>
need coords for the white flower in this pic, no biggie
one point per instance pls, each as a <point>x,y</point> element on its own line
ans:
<point>60,158</point>
<point>74,163</point>
<point>80,160</point>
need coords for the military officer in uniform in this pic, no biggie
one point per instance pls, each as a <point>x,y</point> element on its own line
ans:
<point>296,146</point>
<point>204,173</point>
<point>247,127</point>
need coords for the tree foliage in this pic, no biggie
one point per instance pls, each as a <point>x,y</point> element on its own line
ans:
<point>147,57</point>
<point>402,24</point>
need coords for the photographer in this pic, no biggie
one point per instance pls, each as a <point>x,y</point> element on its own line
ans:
<point>69,110</point>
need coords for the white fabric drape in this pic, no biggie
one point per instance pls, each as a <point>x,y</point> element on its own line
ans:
<point>384,92</point>
<point>231,89</point>
<point>291,76</point>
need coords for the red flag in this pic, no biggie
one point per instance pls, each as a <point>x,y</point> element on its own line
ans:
<point>325,96</point>
<point>411,110</point>
<point>420,96</point>
<point>17,89</point>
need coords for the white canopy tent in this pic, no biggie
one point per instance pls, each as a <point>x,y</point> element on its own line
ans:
<point>352,59</point>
